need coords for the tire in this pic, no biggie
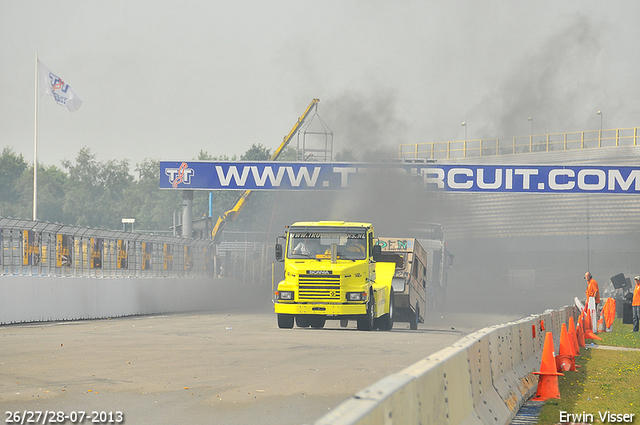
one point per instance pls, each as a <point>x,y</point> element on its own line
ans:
<point>385,323</point>
<point>302,321</point>
<point>366,321</point>
<point>414,324</point>
<point>285,321</point>
<point>317,322</point>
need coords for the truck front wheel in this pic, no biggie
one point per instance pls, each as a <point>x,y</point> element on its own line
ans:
<point>366,321</point>
<point>302,321</point>
<point>285,321</point>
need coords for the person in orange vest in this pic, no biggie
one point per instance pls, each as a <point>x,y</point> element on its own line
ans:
<point>635,304</point>
<point>592,292</point>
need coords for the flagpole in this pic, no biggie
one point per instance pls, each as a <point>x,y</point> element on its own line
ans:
<point>35,150</point>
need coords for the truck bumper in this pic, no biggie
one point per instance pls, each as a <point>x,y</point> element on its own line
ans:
<point>321,309</point>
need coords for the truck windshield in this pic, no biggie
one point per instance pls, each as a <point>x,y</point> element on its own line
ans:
<point>317,245</point>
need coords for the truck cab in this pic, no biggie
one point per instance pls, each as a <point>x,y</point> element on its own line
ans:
<point>331,273</point>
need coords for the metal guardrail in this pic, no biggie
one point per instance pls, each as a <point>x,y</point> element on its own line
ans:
<point>38,248</point>
<point>521,144</point>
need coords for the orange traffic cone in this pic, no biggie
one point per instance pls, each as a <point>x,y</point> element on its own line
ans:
<point>548,375</point>
<point>542,325</point>
<point>580,335</point>
<point>573,336</point>
<point>587,328</point>
<point>588,334</point>
<point>565,360</point>
<point>587,321</point>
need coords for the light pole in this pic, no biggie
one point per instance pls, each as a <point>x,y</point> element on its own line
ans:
<point>464,124</point>
<point>600,135</point>
<point>530,137</point>
<point>600,113</point>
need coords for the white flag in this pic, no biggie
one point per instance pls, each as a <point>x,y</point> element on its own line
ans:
<point>54,86</point>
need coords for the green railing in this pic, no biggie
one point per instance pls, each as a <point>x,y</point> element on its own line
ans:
<point>521,144</point>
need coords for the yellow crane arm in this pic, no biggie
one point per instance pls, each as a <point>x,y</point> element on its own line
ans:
<point>294,130</point>
<point>232,214</point>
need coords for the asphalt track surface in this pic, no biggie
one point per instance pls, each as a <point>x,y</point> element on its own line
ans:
<point>210,368</point>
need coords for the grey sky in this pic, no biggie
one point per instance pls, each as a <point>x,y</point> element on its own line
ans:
<point>164,80</point>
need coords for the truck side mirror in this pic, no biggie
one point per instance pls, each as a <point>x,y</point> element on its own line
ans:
<point>278,249</point>
<point>377,252</point>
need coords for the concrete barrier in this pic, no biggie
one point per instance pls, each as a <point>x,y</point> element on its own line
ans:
<point>38,298</point>
<point>484,378</point>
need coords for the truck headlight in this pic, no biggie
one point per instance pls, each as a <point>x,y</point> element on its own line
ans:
<point>284,295</point>
<point>356,296</point>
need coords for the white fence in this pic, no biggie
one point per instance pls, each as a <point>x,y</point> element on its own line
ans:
<point>39,298</point>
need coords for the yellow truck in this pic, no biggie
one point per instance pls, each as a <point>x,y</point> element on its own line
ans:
<point>420,277</point>
<point>332,272</point>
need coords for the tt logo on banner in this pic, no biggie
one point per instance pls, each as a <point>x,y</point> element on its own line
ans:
<point>179,175</point>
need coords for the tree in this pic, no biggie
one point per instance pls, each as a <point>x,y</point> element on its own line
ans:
<point>51,193</point>
<point>12,167</point>
<point>206,156</point>
<point>95,192</point>
<point>288,154</point>
<point>346,155</point>
<point>151,207</point>
<point>256,153</point>
<point>51,190</point>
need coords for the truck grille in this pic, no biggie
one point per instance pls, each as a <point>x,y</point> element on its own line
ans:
<point>319,287</point>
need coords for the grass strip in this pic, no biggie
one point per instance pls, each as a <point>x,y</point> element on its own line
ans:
<point>608,382</point>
